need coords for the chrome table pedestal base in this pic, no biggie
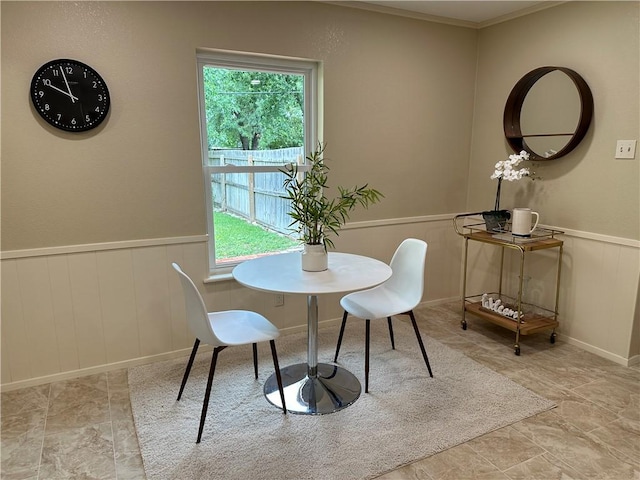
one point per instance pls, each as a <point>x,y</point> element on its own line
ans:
<point>331,389</point>
<point>312,388</point>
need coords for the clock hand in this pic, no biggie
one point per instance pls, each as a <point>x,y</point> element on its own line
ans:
<point>48,83</point>
<point>68,87</point>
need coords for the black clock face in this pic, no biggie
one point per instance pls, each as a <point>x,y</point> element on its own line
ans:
<point>70,95</point>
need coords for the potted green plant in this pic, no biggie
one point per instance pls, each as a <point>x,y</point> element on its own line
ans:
<point>314,215</point>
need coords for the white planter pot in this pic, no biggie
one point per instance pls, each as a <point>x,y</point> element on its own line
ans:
<point>314,258</point>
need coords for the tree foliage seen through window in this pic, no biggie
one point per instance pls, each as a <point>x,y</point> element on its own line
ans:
<point>253,110</point>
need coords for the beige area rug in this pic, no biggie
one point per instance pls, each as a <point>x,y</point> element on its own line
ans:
<point>405,416</point>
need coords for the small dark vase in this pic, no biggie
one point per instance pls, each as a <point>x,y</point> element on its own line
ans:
<point>496,220</point>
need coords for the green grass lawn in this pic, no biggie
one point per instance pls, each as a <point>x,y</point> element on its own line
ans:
<point>236,237</point>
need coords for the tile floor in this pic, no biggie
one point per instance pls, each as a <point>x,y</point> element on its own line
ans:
<point>83,428</point>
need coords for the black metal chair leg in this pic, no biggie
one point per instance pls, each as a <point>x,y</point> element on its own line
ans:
<point>344,322</point>
<point>274,354</point>
<point>393,343</point>
<point>207,393</point>
<point>189,365</point>
<point>424,352</point>
<point>366,355</point>
<point>255,360</point>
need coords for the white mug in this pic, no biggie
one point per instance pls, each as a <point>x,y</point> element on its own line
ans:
<point>521,222</point>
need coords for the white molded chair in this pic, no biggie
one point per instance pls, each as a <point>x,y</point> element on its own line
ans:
<point>399,295</point>
<point>223,329</point>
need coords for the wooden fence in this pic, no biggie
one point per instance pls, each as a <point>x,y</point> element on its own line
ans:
<point>254,196</point>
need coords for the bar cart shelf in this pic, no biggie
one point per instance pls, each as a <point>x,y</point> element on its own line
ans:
<point>530,318</point>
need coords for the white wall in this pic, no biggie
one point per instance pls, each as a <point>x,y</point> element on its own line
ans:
<point>91,223</point>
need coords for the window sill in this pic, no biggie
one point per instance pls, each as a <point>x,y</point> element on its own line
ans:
<point>221,275</point>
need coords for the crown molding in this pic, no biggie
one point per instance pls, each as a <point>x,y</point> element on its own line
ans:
<point>361,5</point>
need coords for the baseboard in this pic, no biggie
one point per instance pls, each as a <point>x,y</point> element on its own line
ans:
<point>332,322</point>
<point>441,301</point>
<point>626,362</point>
<point>134,362</point>
<point>82,372</point>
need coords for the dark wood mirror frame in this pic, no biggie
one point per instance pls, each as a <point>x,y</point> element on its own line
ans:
<point>513,109</point>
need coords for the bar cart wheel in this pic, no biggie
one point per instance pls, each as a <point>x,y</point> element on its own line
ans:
<point>516,349</point>
<point>463,324</point>
<point>552,338</point>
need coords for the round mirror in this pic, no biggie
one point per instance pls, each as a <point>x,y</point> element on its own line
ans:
<point>548,113</point>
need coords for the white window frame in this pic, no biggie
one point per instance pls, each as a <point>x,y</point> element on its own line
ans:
<point>246,61</point>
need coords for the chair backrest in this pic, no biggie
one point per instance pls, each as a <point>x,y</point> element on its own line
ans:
<point>197,317</point>
<point>407,263</point>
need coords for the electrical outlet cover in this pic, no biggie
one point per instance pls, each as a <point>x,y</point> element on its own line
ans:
<point>626,149</point>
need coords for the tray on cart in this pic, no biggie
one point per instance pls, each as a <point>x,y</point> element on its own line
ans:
<point>534,318</point>
<point>470,223</point>
<point>538,234</point>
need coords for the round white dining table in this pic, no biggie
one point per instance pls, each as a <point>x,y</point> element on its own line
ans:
<point>312,387</point>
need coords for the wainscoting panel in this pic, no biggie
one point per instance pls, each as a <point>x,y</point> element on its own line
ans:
<point>16,349</point>
<point>600,285</point>
<point>62,306</point>
<point>116,283</point>
<point>151,274</point>
<point>73,311</point>
<point>87,309</point>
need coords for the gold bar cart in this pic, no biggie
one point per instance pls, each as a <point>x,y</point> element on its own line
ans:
<point>529,318</point>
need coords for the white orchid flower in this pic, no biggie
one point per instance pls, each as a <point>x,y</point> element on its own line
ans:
<point>504,169</point>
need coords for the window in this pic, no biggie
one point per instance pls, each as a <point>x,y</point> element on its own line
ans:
<point>257,114</point>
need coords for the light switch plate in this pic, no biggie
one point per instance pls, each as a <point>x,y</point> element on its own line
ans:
<point>626,149</point>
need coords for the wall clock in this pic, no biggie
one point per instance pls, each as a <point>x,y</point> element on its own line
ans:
<point>70,95</point>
